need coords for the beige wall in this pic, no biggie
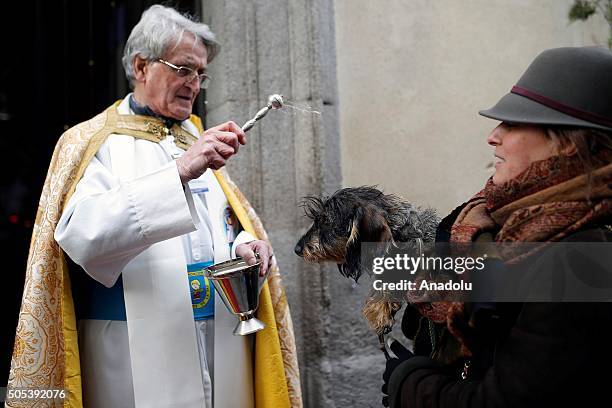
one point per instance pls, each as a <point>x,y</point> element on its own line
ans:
<point>412,75</point>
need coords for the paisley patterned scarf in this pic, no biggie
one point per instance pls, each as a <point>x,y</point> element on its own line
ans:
<point>550,200</point>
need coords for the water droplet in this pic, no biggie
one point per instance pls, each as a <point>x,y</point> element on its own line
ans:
<point>301,108</point>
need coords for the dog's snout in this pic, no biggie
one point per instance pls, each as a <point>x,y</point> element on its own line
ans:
<point>299,248</point>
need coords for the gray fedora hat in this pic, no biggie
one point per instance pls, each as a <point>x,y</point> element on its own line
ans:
<point>569,86</point>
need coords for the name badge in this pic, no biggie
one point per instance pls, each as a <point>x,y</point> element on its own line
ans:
<point>202,291</point>
<point>198,186</point>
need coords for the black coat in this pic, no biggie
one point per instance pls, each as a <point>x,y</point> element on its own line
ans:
<point>538,354</point>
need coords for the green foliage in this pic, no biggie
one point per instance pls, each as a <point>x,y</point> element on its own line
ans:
<point>581,10</point>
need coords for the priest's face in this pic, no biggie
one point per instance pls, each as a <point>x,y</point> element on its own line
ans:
<point>165,90</point>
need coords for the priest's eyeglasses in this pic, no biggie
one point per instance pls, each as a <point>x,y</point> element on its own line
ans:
<point>188,73</point>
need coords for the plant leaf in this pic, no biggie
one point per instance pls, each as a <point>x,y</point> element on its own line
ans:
<point>581,10</point>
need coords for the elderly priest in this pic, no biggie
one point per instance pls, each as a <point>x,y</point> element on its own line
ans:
<point>115,310</point>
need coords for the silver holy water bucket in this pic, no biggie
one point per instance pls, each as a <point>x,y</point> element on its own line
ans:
<point>239,285</point>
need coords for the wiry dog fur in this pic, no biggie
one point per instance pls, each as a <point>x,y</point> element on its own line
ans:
<point>353,216</point>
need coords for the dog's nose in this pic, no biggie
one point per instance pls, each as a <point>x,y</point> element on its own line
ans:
<point>299,249</point>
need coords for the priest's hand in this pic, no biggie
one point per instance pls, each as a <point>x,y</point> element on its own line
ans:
<point>248,250</point>
<point>212,150</point>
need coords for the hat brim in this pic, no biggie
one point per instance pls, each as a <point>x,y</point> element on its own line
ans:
<point>518,109</point>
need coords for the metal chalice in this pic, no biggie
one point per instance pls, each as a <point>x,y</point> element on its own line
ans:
<point>239,285</point>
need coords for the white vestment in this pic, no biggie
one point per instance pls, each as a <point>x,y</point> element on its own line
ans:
<point>130,218</point>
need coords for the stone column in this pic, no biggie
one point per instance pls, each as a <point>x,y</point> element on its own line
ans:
<point>285,47</point>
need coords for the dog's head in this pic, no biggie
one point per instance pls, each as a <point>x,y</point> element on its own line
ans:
<point>342,222</point>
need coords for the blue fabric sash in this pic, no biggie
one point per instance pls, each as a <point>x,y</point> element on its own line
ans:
<point>97,302</point>
<point>202,291</point>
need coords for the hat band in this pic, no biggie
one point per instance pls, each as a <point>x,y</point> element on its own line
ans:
<point>558,106</point>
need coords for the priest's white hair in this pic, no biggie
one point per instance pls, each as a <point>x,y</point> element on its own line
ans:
<point>160,28</point>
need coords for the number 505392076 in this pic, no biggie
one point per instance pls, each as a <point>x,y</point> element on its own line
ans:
<point>34,393</point>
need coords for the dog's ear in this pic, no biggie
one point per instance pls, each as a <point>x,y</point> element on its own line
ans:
<point>373,226</point>
<point>351,268</point>
<point>368,225</point>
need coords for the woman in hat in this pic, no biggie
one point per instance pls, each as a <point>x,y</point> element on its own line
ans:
<point>552,186</point>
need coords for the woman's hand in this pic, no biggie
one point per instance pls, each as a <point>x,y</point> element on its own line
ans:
<point>403,354</point>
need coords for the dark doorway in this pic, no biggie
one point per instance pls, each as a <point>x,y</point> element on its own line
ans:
<point>61,65</point>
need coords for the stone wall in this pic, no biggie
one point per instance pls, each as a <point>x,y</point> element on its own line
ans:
<point>286,47</point>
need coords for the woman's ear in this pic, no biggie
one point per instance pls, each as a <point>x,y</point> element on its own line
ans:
<point>140,68</point>
<point>569,149</point>
<point>566,148</point>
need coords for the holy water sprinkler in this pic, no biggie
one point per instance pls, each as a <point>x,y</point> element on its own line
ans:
<point>274,102</point>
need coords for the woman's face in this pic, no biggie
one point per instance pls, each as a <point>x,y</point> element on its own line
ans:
<point>516,147</point>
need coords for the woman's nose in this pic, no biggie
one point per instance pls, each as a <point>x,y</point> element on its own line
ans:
<point>494,138</point>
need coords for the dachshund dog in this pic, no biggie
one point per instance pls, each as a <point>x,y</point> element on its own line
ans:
<point>355,216</point>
